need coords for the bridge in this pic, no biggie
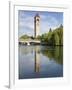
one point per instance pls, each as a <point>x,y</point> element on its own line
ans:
<point>29,42</point>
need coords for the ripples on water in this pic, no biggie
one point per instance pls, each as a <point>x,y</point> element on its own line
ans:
<point>40,61</point>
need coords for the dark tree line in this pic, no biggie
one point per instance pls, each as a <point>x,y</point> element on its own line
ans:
<point>53,37</point>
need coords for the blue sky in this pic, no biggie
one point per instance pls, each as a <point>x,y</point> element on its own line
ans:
<point>47,20</point>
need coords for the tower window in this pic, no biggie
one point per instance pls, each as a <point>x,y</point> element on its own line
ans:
<point>37,19</point>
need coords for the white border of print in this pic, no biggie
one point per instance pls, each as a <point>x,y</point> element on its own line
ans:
<point>13,20</point>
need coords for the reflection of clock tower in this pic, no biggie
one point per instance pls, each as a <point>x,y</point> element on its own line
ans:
<point>36,25</point>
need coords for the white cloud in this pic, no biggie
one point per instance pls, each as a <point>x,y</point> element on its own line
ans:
<point>26,23</point>
<point>48,22</point>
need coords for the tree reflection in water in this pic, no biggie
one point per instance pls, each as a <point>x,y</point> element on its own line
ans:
<point>55,52</point>
<point>40,61</point>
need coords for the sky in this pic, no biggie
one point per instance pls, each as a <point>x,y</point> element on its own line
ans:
<point>47,20</point>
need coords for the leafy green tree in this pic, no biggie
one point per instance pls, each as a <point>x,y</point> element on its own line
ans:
<point>54,37</point>
<point>24,37</point>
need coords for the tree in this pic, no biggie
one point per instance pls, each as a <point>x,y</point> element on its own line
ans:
<point>54,37</point>
<point>24,37</point>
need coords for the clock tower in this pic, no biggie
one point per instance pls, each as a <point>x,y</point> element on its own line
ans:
<point>36,25</point>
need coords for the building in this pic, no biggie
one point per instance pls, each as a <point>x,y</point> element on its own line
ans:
<point>36,25</point>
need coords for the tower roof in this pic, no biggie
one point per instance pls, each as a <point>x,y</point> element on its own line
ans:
<point>37,15</point>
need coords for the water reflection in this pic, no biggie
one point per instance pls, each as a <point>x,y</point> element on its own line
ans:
<point>37,59</point>
<point>55,53</point>
<point>40,61</point>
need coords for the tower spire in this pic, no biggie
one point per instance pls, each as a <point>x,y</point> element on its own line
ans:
<point>36,25</point>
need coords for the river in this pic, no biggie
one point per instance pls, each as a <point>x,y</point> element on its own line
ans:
<point>40,61</point>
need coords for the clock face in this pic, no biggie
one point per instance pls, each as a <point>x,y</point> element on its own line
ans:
<point>37,19</point>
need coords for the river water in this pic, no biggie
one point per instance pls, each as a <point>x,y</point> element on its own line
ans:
<point>40,61</point>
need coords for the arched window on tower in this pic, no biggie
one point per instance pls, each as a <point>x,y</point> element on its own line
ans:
<point>37,19</point>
